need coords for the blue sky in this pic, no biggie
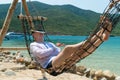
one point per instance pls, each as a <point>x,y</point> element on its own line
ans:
<point>94,5</point>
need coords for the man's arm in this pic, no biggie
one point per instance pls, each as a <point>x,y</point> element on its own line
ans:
<point>40,52</point>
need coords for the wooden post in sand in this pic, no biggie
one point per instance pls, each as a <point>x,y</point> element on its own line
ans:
<point>7,21</point>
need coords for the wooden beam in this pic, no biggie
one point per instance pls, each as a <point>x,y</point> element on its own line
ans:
<point>28,14</point>
<point>39,18</point>
<point>7,20</point>
<point>12,48</point>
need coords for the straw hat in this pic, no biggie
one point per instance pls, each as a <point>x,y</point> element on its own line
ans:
<point>36,31</point>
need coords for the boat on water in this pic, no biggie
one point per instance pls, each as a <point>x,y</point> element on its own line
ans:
<point>13,35</point>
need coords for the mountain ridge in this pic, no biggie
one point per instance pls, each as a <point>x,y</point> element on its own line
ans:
<point>62,19</point>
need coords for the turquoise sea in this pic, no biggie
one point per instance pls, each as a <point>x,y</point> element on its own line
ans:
<point>106,57</point>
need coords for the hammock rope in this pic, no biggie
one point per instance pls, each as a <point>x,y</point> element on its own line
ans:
<point>26,34</point>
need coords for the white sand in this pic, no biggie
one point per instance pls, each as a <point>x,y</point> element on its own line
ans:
<point>32,74</point>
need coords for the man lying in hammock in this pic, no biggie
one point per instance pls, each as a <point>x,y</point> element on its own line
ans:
<point>49,55</point>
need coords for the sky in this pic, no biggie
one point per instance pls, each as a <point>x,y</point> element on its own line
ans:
<point>94,5</point>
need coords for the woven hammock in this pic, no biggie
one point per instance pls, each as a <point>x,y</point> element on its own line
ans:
<point>111,13</point>
<point>110,17</point>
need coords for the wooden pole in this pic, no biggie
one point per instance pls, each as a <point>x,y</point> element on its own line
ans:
<point>12,48</point>
<point>36,18</point>
<point>7,20</point>
<point>28,14</point>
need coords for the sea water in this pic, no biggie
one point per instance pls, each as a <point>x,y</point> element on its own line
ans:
<point>106,57</point>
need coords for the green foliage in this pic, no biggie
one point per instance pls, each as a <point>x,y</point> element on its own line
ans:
<point>62,20</point>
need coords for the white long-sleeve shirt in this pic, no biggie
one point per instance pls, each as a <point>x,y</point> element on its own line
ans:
<point>44,52</point>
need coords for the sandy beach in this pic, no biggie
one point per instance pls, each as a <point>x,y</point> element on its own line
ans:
<point>13,71</point>
<point>17,67</point>
<point>12,67</point>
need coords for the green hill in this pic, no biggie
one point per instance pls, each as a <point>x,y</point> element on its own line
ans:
<point>62,20</point>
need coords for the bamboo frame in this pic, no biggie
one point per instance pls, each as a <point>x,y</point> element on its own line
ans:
<point>12,48</point>
<point>7,21</point>
<point>39,18</point>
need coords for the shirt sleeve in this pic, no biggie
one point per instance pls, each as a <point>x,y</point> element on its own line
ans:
<point>56,48</point>
<point>41,52</point>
